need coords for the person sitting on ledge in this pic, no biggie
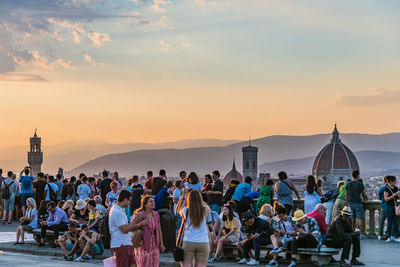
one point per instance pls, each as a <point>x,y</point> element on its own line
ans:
<point>341,235</point>
<point>89,242</point>
<point>72,236</point>
<point>308,234</point>
<point>29,221</point>
<point>57,221</point>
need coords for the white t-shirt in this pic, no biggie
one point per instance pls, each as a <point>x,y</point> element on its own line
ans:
<point>195,235</point>
<point>116,219</point>
<point>83,191</point>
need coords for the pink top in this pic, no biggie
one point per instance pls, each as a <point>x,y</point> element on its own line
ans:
<point>148,232</point>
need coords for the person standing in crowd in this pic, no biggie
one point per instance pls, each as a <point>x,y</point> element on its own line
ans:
<point>40,184</point>
<point>339,202</point>
<point>112,196</point>
<point>176,195</point>
<point>26,187</point>
<point>308,235</point>
<point>17,203</point>
<point>116,179</point>
<point>193,182</point>
<point>69,190</point>
<point>354,190</point>
<point>149,182</point>
<point>148,253</point>
<point>231,190</point>
<point>216,192</point>
<point>284,189</point>
<point>137,191</point>
<point>257,233</point>
<point>158,182</point>
<point>57,221</point>
<point>266,194</point>
<point>1,194</point>
<point>162,194</point>
<point>382,212</point>
<point>319,214</point>
<point>320,184</point>
<point>207,183</point>
<point>121,241</point>
<point>8,188</point>
<point>92,186</point>
<point>51,190</point>
<point>28,222</point>
<point>104,186</point>
<point>59,184</point>
<point>241,190</point>
<point>83,189</point>
<point>391,195</point>
<point>341,235</point>
<point>311,196</point>
<point>229,233</point>
<point>195,237</point>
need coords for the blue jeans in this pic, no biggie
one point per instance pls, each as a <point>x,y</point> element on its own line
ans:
<point>215,207</point>
<point>178,223</point>
<point>392,223</point>
<point>357,209</point>
<point>382,219</point>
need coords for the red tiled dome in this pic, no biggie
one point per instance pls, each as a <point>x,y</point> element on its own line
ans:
<point>232,175</point>
<point>335,156</point>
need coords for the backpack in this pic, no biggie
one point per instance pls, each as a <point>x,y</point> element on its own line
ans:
<point>52,194</point>
<point>330,195</point>
<point>105,230</point>
<point>6,190</point>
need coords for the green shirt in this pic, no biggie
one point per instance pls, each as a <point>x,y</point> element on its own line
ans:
<point>342,192</point>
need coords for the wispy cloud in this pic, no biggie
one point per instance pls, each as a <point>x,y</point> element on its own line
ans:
<point>21,77</point>
<point>376,97</point>
<point>36,60</point>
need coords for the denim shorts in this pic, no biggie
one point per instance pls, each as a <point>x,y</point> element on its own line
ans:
<point>96,249</point>
<point>9,203</point>
<point>357,209</point>
<point>24,197</point>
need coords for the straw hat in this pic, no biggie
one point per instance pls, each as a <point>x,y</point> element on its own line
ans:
<point>298,215</point>
<point>69,204</point>
<point>346,211</point>
<point>80,204</point>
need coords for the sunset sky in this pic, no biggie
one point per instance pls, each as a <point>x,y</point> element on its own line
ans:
<point>161,70</point>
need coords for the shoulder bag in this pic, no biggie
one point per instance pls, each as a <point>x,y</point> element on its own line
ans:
<point>137,235</point>
<point>178,250</point>
<point>396,205</point>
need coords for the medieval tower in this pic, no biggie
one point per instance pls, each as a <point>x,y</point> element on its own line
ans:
<point>250,163</point>
<point>35,155</point>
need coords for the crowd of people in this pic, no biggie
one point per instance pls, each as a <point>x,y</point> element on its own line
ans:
<point>96,214</point>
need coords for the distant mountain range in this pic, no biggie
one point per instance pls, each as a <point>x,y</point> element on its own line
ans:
<point>73,153</point>
<point>376,153</point>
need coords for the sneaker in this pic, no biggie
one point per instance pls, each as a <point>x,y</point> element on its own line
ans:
<point>79,259</point>
<point>293,264</point>
<point>211,260</point>
<point>275,251</point>
<point>87,256</point>
<point>344,264</point>
<point>272,264</point>
<point>397,240</point>
<point>243,261</point>
<point>69,258</point>
<point>253,262</point>
<point>379,237</point>
<point>356,262</point>
<point>390,239</point>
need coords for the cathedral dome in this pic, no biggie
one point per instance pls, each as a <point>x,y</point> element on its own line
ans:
<point>335,160</point>
<point>232,175</point>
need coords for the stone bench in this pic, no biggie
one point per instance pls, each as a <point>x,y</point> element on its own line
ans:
<point>49,235</point>
<point>304,254</point>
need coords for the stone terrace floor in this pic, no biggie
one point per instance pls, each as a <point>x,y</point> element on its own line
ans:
<point>373,252</point>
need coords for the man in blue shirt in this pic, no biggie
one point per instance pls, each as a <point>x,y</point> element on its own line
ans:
<point>57,221</point>
<point>241,190</point>
<point>26,187</point>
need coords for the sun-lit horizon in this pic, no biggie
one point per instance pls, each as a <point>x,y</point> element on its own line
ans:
<point>157,71</point>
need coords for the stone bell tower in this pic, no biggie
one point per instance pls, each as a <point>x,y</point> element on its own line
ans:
<point>250,163</point>
<point>35,155</point>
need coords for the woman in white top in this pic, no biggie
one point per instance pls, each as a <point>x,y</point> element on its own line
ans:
<point>195,237</point>
<point>29,221</point>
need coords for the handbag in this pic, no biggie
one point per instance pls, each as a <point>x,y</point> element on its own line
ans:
<point>178,250</point>
<point>137,235</point>
<point>396,205</point>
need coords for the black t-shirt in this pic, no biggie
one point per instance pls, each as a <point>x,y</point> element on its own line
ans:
<point>137,192</point>
<point>216,199</point>
<point>259,227</point>
<point>39,186</point>
<point>228,194</point>
<point>82,217</point>
<point>105,188</point>
<point>354,190</point>
<point>390,192</point>
<point>158,183</point>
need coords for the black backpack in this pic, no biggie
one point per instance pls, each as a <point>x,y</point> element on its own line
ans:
<point>105,230</point>
<point>6,190</point>
<point>52,194</point>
